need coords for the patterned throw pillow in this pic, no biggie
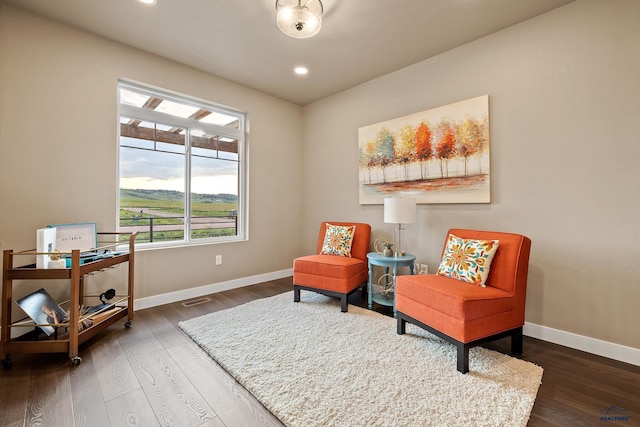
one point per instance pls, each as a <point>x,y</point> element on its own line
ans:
<point>467,259</point>
<point>338,239</point>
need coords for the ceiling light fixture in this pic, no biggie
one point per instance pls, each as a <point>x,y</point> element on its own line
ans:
<point>299,19</point>
<point>147,1</point>
<point>301,70</point>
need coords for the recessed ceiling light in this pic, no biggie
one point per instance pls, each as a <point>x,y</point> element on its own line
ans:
<point>301,70</point>
<point>147,1</point>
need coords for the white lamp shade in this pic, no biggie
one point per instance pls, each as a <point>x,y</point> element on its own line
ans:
<point>299,19</point>
<point>399,210</point>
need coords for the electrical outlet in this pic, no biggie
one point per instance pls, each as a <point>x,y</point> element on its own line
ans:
<point>420,268</point>
<point>218,259</point>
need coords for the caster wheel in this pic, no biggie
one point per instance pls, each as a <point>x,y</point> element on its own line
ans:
<point>75,361</point>
<point>6,364</point>
<point>127,324</point>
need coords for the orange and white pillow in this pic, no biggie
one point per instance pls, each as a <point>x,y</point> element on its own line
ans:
<point>338,240</point>
<point>468,260</point>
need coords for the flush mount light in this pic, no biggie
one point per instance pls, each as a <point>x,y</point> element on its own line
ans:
<point>299,19</point>
<point>301,70</point>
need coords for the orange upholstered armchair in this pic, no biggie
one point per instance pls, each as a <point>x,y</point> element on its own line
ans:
<point>334,275</point>
<point>466,314</point>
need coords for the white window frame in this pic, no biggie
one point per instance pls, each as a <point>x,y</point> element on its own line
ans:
<point>189,124</point>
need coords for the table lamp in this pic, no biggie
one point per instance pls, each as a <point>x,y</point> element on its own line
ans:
<point>399,211</point>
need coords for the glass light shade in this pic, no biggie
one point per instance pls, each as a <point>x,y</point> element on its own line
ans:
<point>399,210</point>
<point>299,19</point>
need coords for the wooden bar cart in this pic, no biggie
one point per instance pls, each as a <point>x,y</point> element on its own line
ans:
<point>72,337</point>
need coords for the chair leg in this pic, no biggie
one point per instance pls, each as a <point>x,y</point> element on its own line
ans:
<point>343,303</point>
<point>402,325</point>
<point>516,342</point>
<point>463,357</point>
<point>296,294</point>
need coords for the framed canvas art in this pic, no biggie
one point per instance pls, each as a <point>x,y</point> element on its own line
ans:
<point>436,156</point>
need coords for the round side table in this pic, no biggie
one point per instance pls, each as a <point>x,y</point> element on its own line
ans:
<point>388,262</point>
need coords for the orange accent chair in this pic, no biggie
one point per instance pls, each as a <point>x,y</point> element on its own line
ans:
<point>465,314</point>
<point>332,275</point>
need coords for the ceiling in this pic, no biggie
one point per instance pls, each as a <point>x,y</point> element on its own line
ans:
<point>239,41</point>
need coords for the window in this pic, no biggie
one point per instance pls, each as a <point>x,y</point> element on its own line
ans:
<point>181,168</point>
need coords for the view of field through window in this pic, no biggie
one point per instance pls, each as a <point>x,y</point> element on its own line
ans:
<point>158,215</point>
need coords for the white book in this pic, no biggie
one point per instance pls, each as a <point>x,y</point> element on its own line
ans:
<point>45,242</point>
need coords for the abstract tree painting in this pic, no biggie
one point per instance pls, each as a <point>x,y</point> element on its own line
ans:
<point>436,156</point>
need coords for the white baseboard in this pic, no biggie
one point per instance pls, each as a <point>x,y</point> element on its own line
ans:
<point>580,342</point>
<point>170,297</point>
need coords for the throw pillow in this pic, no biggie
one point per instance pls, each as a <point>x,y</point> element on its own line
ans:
<point>338,239</point>
<point>467,259</point>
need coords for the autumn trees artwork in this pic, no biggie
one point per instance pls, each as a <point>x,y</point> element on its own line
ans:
<point>437,156</point>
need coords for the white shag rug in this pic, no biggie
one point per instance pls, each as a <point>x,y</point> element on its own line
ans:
<point>312,365</point>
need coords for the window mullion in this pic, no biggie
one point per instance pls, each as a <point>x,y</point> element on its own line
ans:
<point>187,190</point>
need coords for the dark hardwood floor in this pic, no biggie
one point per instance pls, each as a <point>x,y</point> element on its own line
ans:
<point>153,374</point>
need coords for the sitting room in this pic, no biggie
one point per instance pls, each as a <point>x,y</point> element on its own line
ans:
<point>226,138</point>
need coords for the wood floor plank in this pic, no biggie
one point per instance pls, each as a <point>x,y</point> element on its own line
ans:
<point>49,401</point>
<point>233,403</point>
<point>89,409</point>
<point>163,329</point>
<point>547,412</point>
<point>14,391</point>
<point>172,314</point>
<point>170,393</point>
<point>131,409</point>
<point>591,406</point>
<point>114,373</point>
<point>212,423</point>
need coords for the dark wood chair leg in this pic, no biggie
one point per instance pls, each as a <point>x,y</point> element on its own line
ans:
<point>463,357</point>
<point>343,303</point>
<point>296,294</point>
<point>402,325</point>
<point>516,342</point>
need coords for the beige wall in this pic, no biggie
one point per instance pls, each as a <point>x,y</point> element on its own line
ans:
<point>58,147</point>
<point>564,106</point>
